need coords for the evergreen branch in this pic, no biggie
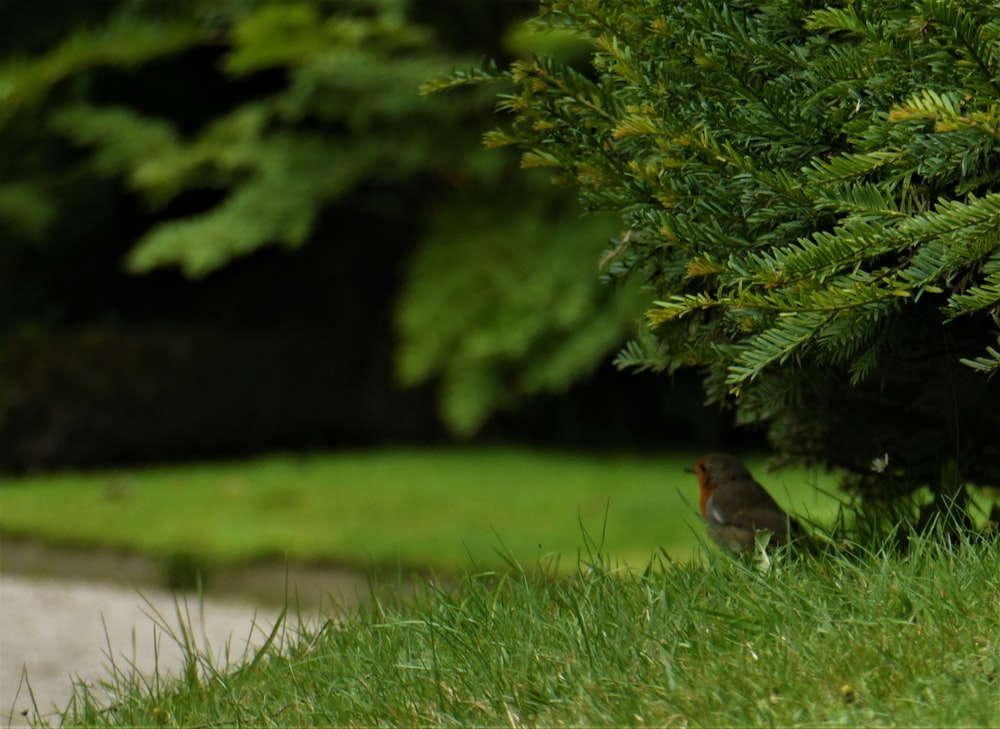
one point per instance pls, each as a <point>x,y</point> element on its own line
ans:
<point>953,235</point>
<point>578,88</point>
<point>458,78</point>
<point>987,365</point>
<point>648,353</point>
<point>775,345</point>
<point>855,292</point>
<point>800,185</point>
<point>860,291</point>
<point>679,306</point>
<point>990,363</point>
<point>945,110</point>
<point>847,20</point>
<point>976,298</point>
<point>850,166</point>
<point>978,42</point>
<point>825,254</point>
<point>864,201</point>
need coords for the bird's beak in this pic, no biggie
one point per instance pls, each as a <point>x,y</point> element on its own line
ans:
<point>689,469</point>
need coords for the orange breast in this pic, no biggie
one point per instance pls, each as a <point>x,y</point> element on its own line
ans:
<point>706,489</point>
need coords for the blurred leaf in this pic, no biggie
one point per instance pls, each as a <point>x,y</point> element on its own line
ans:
<point>26,208</point>
<point>503,300</point>
<point>122,43</point>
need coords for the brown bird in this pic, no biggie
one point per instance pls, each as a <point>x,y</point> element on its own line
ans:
<point>735,506</point>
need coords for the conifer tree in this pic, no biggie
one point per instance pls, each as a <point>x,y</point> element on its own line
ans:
<point>812,195</point>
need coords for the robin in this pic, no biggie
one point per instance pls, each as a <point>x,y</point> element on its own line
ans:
<point>735,506</point>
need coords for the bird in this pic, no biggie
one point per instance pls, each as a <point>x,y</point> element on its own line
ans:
<point>734,506</point>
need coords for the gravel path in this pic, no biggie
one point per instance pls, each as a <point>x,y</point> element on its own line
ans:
<point>55,631</point>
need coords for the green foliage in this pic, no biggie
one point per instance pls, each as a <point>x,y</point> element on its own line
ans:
<point>813,196</point>
<point>26,207</point>
<point>504,300</point>
<point>29,86</point>
<point>325,111</point>
<point>123,43</point>
<point>348,115</point>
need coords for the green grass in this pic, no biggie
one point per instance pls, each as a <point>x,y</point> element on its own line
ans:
<point>433,509</point>
<point>855,638</point>
<point>860,640</point>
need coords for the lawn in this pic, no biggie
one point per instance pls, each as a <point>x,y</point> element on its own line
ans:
<point>846,639</point>
<point>849,637</point>
<point>441,509</point>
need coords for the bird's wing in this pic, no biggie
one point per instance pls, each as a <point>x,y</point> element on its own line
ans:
<point>712,512</point>
<point>762,518</point>
<point>753,517</point>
